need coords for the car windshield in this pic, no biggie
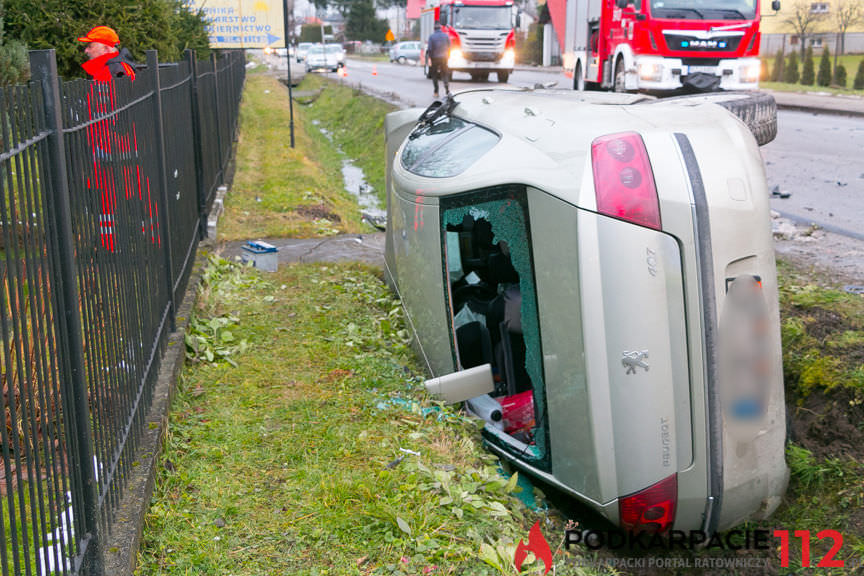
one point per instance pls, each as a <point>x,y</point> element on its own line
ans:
<point>482,17</point>
<point>334,49</point>
<point>316,50</point>
<point>704,9</point>
<point>304,45</point>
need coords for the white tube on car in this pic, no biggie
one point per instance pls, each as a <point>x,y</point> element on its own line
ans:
<point>463,385</point>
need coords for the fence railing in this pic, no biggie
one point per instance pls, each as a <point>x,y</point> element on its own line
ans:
<point>104,191</point>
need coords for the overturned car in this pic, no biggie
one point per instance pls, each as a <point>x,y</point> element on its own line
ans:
<point>595,275</point>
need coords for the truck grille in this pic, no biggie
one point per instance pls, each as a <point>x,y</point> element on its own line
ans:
<point>484,47</point>
<point>720,44</point>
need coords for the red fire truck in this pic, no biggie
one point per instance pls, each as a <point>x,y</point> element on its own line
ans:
<point>482,37</point>
<point>659,45</point>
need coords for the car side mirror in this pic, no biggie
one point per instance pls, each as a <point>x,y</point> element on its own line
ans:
<point>443,19</point>
<point>775,5</point>
<point>518,20</point>
<point>463,385</point>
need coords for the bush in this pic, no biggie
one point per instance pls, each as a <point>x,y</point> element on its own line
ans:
<point>530,50</point>
<point>839,76</point>
<point>859,77</point>
<point>777,71</point>
<point>808,73</point>
<point>14,63</point>
<point>824,76</point>
<point>790,73</point>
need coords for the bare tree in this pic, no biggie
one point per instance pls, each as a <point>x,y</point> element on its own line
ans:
<point>803,20</point>
<point>846,14</point>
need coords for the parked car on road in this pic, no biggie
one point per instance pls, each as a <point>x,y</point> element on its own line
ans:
<point>303,49</point>
<point>328,57</point>
<point>403,52</point>
<point>594,274</point>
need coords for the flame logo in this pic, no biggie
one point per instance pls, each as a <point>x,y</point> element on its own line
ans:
<point>536,544</point>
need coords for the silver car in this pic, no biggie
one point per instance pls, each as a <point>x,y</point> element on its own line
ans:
<point>403,52</point>
<point>594,274</point>
<point>330,57</point>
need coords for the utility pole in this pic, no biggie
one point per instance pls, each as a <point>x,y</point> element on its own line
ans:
<point>286,22</point>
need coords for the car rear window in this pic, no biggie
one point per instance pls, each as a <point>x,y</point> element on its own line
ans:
<point>446,148</point>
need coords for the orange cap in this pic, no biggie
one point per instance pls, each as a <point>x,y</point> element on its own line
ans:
<point>101,34</point>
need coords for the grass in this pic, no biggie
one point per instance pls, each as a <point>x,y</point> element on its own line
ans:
<point>279,191</point>
<point>823,337</point>
<point>356,122</point>
<point>823,332</point>
<point>849,61</point>
<point>295,462</point>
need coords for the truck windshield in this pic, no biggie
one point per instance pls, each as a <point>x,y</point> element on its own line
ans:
<point>482,17</point>
<point>704,9</point>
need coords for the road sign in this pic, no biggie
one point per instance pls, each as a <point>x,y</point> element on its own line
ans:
<point>390,37</point>
<point>243,23</point>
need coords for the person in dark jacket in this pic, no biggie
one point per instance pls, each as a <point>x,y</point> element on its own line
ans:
<point>104,61</point>
<point>438,48</point>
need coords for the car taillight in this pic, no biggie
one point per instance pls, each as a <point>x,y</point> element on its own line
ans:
<point>511,40</point>
<point>454,38</point>
<point>623,180</point>
<point>651,509</point>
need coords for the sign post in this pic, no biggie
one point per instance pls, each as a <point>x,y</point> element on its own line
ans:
<point>249,24</point>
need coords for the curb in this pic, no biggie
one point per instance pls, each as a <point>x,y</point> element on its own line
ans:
<point>819,110</point>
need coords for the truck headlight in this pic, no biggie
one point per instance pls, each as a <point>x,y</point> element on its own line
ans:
<point>651,71</point>
<point>509,58</point>
<point>750,72</point>
<point>456,59</point>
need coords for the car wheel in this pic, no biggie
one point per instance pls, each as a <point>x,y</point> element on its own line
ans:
<point>401,60</point>
<point>578,78</point>
<point>755,109</point>
<point>503,77</point>
<point>620,76</point>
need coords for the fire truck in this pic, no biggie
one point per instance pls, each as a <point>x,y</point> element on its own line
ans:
<point>482,37</point>
<point>659,45</point>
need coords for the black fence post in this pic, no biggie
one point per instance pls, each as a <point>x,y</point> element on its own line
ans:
<point>219,135</point>
<point>43,69</point>
<point>164,216</point>
<point>196,133</point>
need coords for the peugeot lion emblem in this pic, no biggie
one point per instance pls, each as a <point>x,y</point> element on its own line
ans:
<point>633,359</point>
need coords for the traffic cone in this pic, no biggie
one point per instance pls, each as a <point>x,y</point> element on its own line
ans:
<point>374,70</point>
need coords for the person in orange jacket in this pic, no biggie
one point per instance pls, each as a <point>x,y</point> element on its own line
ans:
<point>115,151</point>
<point>104,60</point>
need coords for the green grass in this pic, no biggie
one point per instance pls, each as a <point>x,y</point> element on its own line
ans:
<point>291,462</point>
<point>279,191</point>
<point>356,122</point>
<point>849,61</point>
<point>823,335</point>
<point>823,330</point>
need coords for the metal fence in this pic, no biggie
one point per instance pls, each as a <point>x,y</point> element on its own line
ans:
<point>104,190</point>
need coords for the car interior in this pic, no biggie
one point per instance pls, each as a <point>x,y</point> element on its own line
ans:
<point>487,321</point>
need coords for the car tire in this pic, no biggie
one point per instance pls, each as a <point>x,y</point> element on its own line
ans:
<point>755,109</point>
<point>619,81</point>
<point>578,78</point>
<point>759,112</point>
<point>503,77</point>
<point>401,60</point>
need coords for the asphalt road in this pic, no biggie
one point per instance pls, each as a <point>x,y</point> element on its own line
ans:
<point>818,158</point>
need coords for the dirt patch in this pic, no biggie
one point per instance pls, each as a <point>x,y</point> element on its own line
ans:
<point>318,211</point>
<point>822,323</point>
<point>829,425</point>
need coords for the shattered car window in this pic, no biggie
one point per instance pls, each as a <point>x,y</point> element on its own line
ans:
<point>446,148</point>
